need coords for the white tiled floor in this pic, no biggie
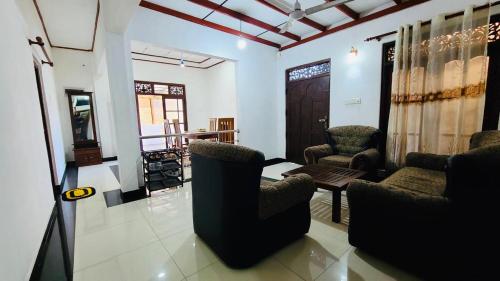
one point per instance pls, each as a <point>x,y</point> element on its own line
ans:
<point>153,239</point>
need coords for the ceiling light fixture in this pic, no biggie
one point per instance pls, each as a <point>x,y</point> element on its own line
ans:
<point>182,61</point>
<point>242,43</point>
<point>353,52</point>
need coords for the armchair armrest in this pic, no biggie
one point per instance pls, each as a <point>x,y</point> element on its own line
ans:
<point>314,153</point>
<point>366,160</point>
<point>381,215</point>
<point>427,161</point>
<point>281,195</point>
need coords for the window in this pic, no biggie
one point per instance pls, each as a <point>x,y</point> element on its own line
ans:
<point>309,71</point>
<point>157,103</point>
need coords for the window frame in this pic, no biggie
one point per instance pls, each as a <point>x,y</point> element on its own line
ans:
<point>151,92</point>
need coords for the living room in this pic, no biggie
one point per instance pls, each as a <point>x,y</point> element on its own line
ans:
<point>286,140</point>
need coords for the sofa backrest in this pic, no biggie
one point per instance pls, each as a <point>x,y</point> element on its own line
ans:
<point>474,175</point>
<point>349,140</point>
<point>225,187</point>
<point>484,138</point>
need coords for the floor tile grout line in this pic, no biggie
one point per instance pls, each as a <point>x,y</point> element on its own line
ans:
<point>115,256</point>
<point>163,246</point>
<point>285,266</point>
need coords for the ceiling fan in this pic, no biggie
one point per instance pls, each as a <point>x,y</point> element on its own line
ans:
<point>295,12</point>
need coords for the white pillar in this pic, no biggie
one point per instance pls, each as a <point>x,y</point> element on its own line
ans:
<point>122,93</point>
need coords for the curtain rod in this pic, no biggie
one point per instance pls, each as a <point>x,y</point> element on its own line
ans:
<point>39,42</point>
<point>379,37</point>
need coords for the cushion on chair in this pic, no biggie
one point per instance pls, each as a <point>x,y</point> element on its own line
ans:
<point>225,152</point>
<point>277,197</point>
<point>350,140</point>
<point>418,180</point>
<point>484,138</point>
<point>336,160</point>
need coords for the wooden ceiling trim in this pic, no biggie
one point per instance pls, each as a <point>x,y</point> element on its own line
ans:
<point>186,17</point>
<point>346,10</point>
<point>307,21</point>
<point>242,17</point>
<point>376,15</point>
<point>170,58</point>
<point>175,64</point>
<point>64,47</point>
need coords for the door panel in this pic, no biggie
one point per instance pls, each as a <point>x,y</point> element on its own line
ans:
<point>307,101</point>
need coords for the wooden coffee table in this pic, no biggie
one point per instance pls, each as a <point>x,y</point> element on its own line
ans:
<point>330,178</point>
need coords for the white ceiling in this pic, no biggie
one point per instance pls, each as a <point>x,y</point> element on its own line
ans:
<point>328,18</point>
<point>69,23</point>
<point>154,53</point>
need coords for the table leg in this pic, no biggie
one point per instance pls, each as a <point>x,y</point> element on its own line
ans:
<point>336,205</point>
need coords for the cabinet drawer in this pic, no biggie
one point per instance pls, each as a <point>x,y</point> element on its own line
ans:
<point>88,156</point>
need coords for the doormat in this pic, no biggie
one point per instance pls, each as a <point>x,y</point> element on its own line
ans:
<point>78,193</point>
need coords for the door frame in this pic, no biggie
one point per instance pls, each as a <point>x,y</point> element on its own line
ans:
<point>56,187</point>
<point>288,83</point>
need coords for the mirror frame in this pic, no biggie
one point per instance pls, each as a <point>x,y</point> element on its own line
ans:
<point>87,143</point>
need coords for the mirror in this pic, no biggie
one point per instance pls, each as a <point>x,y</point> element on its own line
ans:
<point>82,118</point>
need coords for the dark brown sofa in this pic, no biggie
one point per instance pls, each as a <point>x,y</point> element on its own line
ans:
<point>241,219</point>
<point>352,147</point>
<point>428,216</point>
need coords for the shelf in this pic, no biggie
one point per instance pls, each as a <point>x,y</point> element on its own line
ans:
<point>158,185</point>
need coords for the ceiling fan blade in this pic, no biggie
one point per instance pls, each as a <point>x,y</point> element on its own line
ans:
<point>287,25</point>
<point>325,6</point>
<point>282,5</point>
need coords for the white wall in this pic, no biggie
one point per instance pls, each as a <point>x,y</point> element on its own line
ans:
<point>222,91</point>
<point>26,201</point>
<point>358,78</point>
<point>73,71</point>
<point>33,28</point>
<point>255,70</point>
<point>209,92</point>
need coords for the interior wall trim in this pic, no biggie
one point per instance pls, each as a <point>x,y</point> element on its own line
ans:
<point>91,49</point>
<point>36,273</point>
<point>169,63</point>
<point>107,159</point>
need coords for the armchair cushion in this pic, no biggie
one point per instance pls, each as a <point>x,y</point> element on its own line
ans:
<point>350,140</point>
<point>314,153</point>
<point>277,197</point>
<point>427,161</point>
<point>484,138</point>
<point>336,160</point>
<point>418,180</point>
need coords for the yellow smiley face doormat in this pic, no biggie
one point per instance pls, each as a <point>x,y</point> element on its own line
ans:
<point>78,193</point>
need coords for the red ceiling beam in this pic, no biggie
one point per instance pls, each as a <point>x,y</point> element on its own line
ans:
<point>307,21</point>
<point>346,10</point>
<point>239,16</point>
<point>177,14</point>
<point>379,14</point>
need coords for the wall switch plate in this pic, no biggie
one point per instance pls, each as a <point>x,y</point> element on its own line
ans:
<point>353,101</point>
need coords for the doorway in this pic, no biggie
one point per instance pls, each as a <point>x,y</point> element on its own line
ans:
<point>388,51</point>
<point>307,108</point>
<point>54,261</point>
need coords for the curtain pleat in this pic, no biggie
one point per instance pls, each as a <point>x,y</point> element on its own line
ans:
<point>438,87</point>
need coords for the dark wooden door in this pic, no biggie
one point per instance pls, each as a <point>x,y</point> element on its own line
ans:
<point>307,105</point>
<point>388,50</point>
<point>492,104</point>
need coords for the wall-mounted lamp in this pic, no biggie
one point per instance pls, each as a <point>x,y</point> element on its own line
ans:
<point>182,61</point>
<point>353,52</point>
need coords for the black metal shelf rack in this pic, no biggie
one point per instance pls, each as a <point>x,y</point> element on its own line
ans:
<point>162,169</point>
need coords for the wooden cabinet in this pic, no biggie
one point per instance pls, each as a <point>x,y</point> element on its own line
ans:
<point>88,156</point>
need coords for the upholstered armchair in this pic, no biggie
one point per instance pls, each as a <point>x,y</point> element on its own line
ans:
<point>352,147</point>
<point>241,218</point>
<point>421,216</point>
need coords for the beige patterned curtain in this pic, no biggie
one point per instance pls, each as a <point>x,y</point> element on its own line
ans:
<point>438,87</point>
